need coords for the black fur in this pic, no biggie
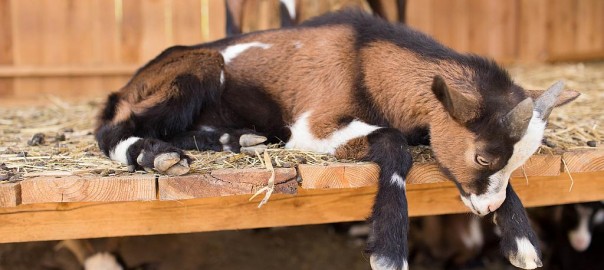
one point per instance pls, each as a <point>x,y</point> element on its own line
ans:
<point>388,148</point>
<point>514,223</point>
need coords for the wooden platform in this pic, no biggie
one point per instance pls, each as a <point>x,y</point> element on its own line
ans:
<point>66,207</point>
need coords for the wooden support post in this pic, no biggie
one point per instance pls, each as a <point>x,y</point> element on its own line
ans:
<point>89,189</point>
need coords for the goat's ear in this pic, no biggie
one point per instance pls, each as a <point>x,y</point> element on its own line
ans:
<point>564,98</point>
<point>461,107</point>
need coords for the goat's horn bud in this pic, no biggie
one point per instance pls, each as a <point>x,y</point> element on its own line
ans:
<point>546,102</point>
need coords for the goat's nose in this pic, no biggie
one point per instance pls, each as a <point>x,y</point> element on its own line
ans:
<point>495,205</point>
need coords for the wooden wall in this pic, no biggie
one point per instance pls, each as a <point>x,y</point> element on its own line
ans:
<point>86,48</point>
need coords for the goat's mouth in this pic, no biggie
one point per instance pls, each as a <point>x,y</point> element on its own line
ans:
<point>467,200</point>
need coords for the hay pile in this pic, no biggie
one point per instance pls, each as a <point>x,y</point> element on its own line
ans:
<point>57,139</point>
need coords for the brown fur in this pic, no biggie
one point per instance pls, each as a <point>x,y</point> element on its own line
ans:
<point>354,149</point>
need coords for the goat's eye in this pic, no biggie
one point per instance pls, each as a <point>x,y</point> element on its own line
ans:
<point>482,161</point>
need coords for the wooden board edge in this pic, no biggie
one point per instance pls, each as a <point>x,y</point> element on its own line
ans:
<point>584,160</point>
<point>48,189</point>
<point>10,194</point>
<point>225,183</point>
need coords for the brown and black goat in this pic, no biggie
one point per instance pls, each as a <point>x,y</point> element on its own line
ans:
<point>348,84</point>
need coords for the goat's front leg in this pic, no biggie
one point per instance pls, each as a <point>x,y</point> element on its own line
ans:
<point>390,222</point>
<point>519,243</point>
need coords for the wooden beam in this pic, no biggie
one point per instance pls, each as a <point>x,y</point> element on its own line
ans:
<point>64,71</point>
<point>10,194</point>
<point>89,189</point>
<point>362,175</point>
<point>540,165</point>
<point>52,221</point>
<point>584,161</point>
<point>225,183</point>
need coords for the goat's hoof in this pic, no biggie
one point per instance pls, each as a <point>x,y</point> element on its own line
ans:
<point>163,162</point>
<point>180,168</point>
<point>526,255</point>
<point>251,150</point>
<point>247,140</point>
<point>382,263</point>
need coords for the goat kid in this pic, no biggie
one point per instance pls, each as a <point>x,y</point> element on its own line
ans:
<point>351,85</point>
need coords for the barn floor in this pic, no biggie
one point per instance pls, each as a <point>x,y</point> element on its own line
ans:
<point>302,247</point>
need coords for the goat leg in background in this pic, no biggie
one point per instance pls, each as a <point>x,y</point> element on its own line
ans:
<point>519,243</point>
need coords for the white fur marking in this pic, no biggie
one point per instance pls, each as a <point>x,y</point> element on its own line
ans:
<point>599,217</point>
<point>523,149</point>
<point>398,180</point>
<point>303,139</point>
<point>102,261</point>
<point>222,77</point>
<point>381,263</point>
<point>291,7</point>
<point>472,238</point>
<point>580,237</point>
<point>230,52</point>
<point>526,256</point>
<point>207,128</point>
<point>224,139</point>
<point>120,152</point>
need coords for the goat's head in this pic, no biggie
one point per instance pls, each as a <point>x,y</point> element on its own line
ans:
<point>483,137</point>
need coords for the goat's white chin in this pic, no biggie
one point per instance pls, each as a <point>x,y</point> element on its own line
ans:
<point>484,204</point>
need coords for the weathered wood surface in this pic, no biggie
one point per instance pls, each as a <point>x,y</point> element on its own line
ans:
<point>10,194</point>
<point>50,221</point>
<point>88,189</point>
<point>224,183</point>
<point>584,161</point>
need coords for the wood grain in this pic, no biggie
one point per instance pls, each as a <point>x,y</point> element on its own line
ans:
<point>338,175</point>
<point>225,183</point>
<point>540,165</point>
<point>10,194</point>
<point>584,161</point>
<point>52,221</point>
<point>79,189</point>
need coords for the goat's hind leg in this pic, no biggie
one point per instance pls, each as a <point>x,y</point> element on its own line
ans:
<point>519,243</point>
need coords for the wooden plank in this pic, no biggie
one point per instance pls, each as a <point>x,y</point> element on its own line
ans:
<point>155,28</point>
<point>584,161</point>
<point>588,32</point>
<point>225,183</point>
<point>10,194</point>
<point>362,175</point>
<point>420,15</point>
<point>27,37</point>
<point>6,46</point>
<point>540,165</point>
<point>130,22</point>
<point>67,71</point>
<point>186,22</point>
<point>561,32</point>
<point>532,35</point>
<point>52,221</point>
<point>90,189</point>
<point>214,20</point>
<point>338,175</point>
